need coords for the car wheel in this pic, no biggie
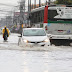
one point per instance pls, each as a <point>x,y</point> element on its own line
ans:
<point>48,45</point>
<point>43,45</point>
<point>70,44</point>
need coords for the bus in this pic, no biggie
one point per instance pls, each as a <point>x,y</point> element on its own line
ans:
<point>56,20</point>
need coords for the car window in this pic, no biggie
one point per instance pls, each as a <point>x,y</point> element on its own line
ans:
<point>34,32</point>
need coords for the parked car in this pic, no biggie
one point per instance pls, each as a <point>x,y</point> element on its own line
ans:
<point>34,36</point>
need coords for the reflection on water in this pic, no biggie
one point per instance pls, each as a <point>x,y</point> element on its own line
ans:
<point>35,61</point>
<point>56,60</point>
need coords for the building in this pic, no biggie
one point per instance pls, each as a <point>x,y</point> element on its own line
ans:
<point>43,4</point>
<point>17,18</point>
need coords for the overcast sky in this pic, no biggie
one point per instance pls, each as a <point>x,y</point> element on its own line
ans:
<point>10,7</point>
<point>12,3</point>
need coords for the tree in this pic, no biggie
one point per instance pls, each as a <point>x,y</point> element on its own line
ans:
<point>66,2</point>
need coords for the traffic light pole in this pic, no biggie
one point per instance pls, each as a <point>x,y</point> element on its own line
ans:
<point>29,10</point>
<point>22,11</point>
<point>39,3</point>
<point>49,2</point>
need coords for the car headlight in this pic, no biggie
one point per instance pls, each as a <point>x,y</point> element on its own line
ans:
<point>46,40</point>
<point>26,41</point>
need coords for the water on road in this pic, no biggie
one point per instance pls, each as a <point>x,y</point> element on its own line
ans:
<point>35,61</point>
<point>48,59</point>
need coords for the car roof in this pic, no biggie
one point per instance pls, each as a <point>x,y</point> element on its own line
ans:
<point>31,28</point>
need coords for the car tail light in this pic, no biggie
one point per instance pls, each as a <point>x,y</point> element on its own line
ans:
<point>46,28</point>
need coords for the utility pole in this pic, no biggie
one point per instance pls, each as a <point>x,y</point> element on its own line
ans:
<point>30,5</point>
<point>34,3</point>
<point>49,2</point>
<point>29,10</point>
<point>46,2</point>
<point>22,11</point>
<point>39,3</point>
<point>6,21</point>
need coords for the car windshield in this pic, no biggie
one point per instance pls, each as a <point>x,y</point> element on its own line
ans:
<point>34,32</point>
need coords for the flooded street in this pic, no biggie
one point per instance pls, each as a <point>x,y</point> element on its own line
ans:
<point>37,59</point>
<point>35,35</point>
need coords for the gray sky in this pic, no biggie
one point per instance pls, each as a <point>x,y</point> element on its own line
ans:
<point>11,8</point>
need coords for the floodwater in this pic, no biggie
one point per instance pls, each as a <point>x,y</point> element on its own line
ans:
<point>57,60</point>
<point>50,59</point>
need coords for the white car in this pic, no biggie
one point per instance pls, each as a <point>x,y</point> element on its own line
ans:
<point>34,36</point>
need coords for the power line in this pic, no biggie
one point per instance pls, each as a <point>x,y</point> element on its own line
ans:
<point>3,13</point>
<point>8,5</point>
<point>6,11</point>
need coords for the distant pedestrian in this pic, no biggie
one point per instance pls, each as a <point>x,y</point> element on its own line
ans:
<point>5,32</point>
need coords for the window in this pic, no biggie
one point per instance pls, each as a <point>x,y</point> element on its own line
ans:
<point>52,14</point>
<point>37,16</point>
<point>34,32</point>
